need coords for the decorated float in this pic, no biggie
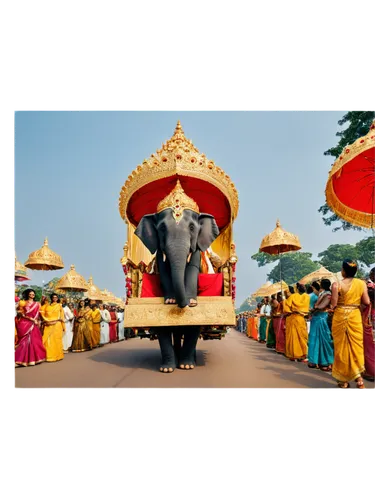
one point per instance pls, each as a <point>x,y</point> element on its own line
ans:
<point>179,168</point>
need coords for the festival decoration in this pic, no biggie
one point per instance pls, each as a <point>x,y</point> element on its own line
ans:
<point>318,275</point>
<point>72,281</point>
<point>20,271</point>
<point>44,259</point>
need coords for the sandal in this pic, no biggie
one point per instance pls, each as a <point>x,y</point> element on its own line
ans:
<point>343,386</point>
<point>311,365</point>
<point>325,368</point>
<point>360,383</point>
<point>193,303</point>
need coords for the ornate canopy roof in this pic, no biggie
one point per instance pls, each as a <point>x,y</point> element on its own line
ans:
<point>44,259</point>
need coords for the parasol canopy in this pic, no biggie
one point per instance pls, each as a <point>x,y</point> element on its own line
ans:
<point>108,297</point>
<point>281,286</point>
<point>93,292</point>
<point>350,190</point>
<point>44,259</point>
<point>20,271</point>
<point>72,281</point>
<point>260,292</point>
<point>318,275</point>
<point>279,241</point>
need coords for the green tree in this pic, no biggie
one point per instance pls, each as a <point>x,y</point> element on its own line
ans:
<point>294,266</point>
<point>363,252</point>
<point>359,125</point>
<point>247,305</point>
<point>332,257</point>
<point>366,251</point>
<point>264,258</point>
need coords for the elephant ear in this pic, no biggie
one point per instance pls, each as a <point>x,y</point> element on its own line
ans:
<point>146,232</point>
<point>208,231</point>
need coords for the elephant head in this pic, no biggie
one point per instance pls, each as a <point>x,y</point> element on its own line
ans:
<point>177,232</point>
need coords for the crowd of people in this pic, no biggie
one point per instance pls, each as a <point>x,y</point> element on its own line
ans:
<point>47,330</point>
<point>327,326</point>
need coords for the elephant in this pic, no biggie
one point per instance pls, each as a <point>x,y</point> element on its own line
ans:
<point>178,246</point>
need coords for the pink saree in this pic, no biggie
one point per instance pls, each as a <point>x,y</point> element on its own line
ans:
<point>368,341</point>
<point>29,349</point>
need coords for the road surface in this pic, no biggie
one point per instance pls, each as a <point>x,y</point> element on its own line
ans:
<point>235,361</point>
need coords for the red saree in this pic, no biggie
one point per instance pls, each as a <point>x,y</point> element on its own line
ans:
<point>112,327</point>
<point>29,349</point>
<point>368,341</point>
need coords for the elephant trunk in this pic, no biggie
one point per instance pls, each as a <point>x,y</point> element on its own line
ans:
<point>178,266</point>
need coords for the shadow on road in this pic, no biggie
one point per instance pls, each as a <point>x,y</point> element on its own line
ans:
<point>148,359</point>
<point>285,369</point>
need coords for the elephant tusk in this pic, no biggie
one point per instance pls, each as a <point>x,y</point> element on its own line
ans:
<point>164,257</point>
<point>189,257</point>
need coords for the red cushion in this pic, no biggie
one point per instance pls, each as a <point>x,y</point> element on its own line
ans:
<point>209,285</point>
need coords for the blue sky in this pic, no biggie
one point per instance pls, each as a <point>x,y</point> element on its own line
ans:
<point>70,167</point>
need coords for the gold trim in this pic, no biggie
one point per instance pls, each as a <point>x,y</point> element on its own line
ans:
<point>355,217</point>
<point>352,150</point>
<point>178,156</point>
<point>361,219</point>
<point>148,312</point>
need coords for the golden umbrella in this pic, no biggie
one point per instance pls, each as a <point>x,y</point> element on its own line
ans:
<point>276,287</point>
<point>20,271</point>
<point>93,292</point>
<point>318,275</point>
<point>108,297</point>
<point>260,292</point>
<point>280,241</point>
<point>72,281</point>
<point>44,259</point>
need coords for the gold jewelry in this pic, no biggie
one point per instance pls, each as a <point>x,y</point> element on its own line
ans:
<point>177,201</point>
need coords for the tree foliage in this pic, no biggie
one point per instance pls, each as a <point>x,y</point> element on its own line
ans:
<point>264,258</point>
<point>294,266</point>
<point>359,125</point>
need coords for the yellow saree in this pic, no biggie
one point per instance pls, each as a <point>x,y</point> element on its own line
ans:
<point>347,333</point>
<point>53,331</point>
<point>96,319</point>
<point>296,306</point>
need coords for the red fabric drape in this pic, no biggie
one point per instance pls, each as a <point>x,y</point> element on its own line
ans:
<point>209,285</point>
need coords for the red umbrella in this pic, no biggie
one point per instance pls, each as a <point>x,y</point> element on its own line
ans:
<point>350,189</point>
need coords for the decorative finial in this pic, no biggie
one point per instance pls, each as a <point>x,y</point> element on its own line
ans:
<point>278,223</point>
<point>72,267</point>
<point>46,241</point>
<point>178,128</point>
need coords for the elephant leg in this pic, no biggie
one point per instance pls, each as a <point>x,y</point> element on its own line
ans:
<point>177,341</point>
<point>188,351</point>
<point>165,279</point>
<point>168,361</point>
<point>191,278</point>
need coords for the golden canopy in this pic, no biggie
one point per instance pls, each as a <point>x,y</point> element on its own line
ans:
<point>44,259</point>
<point>72,281</point>
<point>93,292</point>
<point>20,271</point>
<point>178,159</point>
<point>318,275</point>
<point>262,289</point>
<point>281,286</point>
<point>279,241</point>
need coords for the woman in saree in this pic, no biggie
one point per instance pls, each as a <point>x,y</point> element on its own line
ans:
<point>82,334</point>
<point>271,335</point>
<point>347,327</point>
<point>368,318</point>
<point>297,307</point>
<point>29,349</point>
<point>320,350</point>
<point>96,320</point>
<point>255,325</point>
<point>54,328</point>
<point>112,326</point>
<point>279,325</point>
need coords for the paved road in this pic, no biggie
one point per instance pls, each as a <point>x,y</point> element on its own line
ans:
<point>235,361</point>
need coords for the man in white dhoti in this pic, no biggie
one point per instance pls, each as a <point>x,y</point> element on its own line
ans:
<point>120,317</point>
<point>104,324</point>
<point>68,318</point>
